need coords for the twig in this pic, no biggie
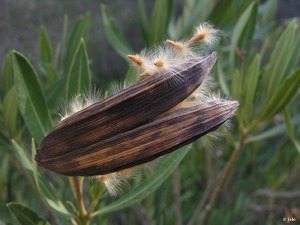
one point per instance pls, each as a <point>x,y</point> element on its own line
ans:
<point>278,194</point>
<point>83,216</point>
<point>176,194</point>
<point>227,172</point>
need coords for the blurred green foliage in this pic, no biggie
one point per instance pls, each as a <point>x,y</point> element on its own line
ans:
<point>258,65</point>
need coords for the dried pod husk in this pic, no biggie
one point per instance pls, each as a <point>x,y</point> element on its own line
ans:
<point>123,111</point>
<point>144,143</point>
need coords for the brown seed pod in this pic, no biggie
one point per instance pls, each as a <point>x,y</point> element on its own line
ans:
<point>126,109</point>
<point>144,143</point>
<point>105,137</point>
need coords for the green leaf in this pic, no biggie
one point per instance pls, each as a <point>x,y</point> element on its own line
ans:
<point>45,47</point>
<point>7,80</point>
<point>244,29</point>
<point>237,85</point>
<point>222,77</point>
<point>272,132</point>
<point>24,215</point>
<point>250,85</point>
<point>222,12</point>
<point>226,12</point>
<point>278,66</point>
<point>22,157</point>
<point>268,12</point>
<point>10,112</point>
<point>160,19</point>
<point>296,53</point>
<point>52,75</point>
<point>137,194</point>
<point>290,129</point>
<point>79,76</point>
<point>79,31</point>
<point>193,13</point>
<point>55,91</point>
<point>113,34</point>
<point>31,98</point>
<point>143,20</point>
<point>60,50</point>
<point>41,182</point>
<point>46,189</point>
<point>286,91</point>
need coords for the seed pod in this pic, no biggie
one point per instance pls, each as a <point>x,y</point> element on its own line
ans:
<point>125,110</point>
<point>144,143</point>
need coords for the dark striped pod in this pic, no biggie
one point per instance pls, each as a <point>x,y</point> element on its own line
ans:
<point>125,110</point>
<point>144,143</point>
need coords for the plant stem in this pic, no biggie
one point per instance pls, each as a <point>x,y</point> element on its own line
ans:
<point>227,172</point>
<point>83,217</point>
<point>93,205</point>
<point>176,194</point>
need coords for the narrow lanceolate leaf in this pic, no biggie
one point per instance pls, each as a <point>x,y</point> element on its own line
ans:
<point>10,112</point>
<point>290,129</point>
<point>282,55</point>
<point>144,143</point>
<point>7,78</point>
<point>250,86</point>
<point>31,98</point>
<point>273,132</point>
<point>143,20</point>
<point>286,91</point>
<point>45,47</point>
<point>79,76</point>
<point>143,190</point>
<point>114,35</point>
<point>20,154</point>
<point>24,215</point>
<point>126,109</point>
<point>160,18</point>
<point>243,30</point>
<point>79,31</point>
<point>46,189</point>
<point>222,78</point>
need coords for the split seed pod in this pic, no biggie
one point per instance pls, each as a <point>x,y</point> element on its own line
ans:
<point>131,127</point>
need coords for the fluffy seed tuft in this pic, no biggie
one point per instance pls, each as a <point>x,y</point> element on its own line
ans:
<point>205,33</point>
<point>80,102</point>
